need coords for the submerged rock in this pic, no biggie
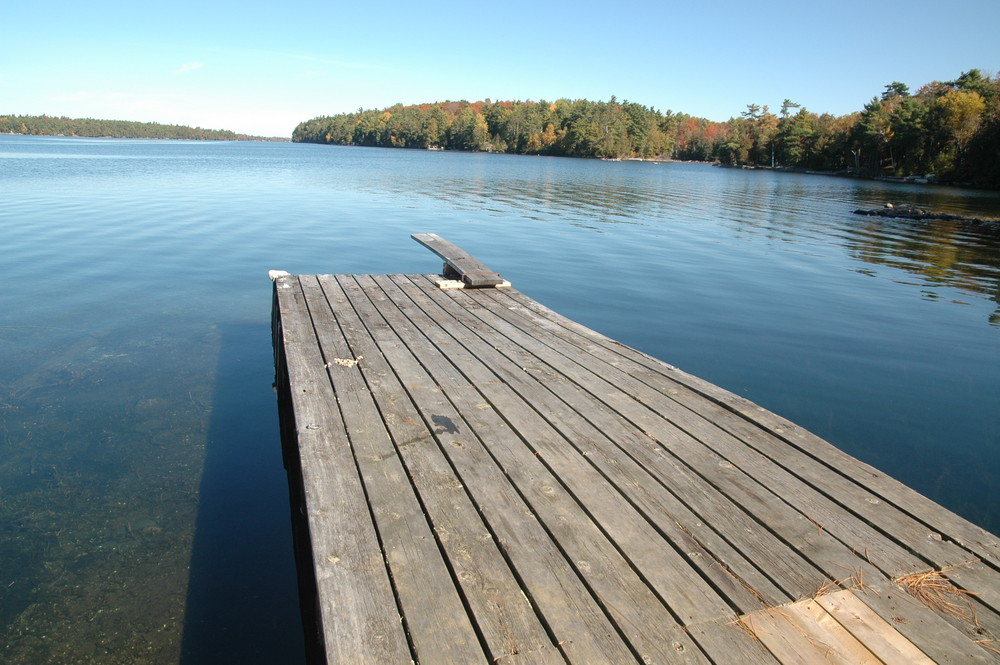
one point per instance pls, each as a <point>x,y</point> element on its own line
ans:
<point>912,212</point>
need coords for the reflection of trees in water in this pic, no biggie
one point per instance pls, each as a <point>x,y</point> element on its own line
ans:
<point>959,254</point>
<point>599,197</point>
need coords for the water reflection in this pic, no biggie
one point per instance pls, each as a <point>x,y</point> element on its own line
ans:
<point>957,254</point>
<point>542,188</point>
<point>800,209</point>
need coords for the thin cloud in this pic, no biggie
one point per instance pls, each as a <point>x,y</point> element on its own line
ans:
<point>270,55</point>
<point>347,64</point>
<point>188,67</point>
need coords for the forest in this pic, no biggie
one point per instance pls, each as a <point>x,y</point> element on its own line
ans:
<point>944,131</point>
<point>43,125</point>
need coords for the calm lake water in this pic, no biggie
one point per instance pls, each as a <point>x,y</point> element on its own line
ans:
<point>143,506</point>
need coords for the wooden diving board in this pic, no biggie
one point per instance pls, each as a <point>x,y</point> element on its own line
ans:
<point>459,264</point>
<point>478,479</point>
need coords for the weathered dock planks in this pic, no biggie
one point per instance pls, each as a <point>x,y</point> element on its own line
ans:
<point>481,480</point>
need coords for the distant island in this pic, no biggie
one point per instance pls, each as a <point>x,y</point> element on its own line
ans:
<point>945,132</point>
<point>43,125</point>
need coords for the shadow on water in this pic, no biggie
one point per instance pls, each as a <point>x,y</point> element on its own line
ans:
<point>242,603</point>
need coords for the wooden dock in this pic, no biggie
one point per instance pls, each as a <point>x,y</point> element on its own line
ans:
<point>481,480</point>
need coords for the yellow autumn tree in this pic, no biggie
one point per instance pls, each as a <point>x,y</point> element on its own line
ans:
<point>961,114</point>
<point>549,136</point>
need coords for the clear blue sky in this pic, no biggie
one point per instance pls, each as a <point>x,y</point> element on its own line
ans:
<point>261,68</point>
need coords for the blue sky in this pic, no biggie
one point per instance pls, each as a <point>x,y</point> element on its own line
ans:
<point>261,68</point>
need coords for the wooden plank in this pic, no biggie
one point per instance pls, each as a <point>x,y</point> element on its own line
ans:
<point>877,634</point>
<point>968,600</point>
<point>438,624</point>
<point>637,613</point>
<point>725,641</point>
<point>980,580</point>
<point>821,629</point>
<point>650,457</point>
<point>465,266</point>
<point>358,615</point>
<point>792,642</point>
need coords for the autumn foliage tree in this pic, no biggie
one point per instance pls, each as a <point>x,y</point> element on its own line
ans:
<point>578,128</point>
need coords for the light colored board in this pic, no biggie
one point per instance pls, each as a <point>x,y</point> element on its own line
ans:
<point>797,634</point>
<point>877,634</point>
<point>821,629</point>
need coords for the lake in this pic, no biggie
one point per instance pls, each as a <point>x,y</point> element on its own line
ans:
<point>144,515</point>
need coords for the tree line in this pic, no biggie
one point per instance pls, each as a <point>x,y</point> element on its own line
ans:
<point>43,125</point>
<point>950,130</point>
<point>576,128</point>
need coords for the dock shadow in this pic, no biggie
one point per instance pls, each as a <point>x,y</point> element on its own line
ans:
<point>242,601</point>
